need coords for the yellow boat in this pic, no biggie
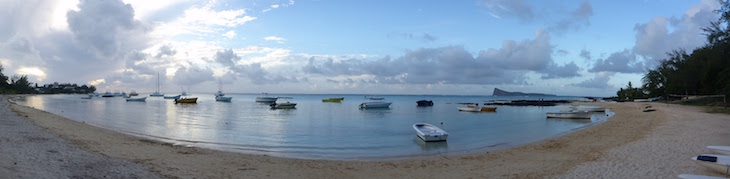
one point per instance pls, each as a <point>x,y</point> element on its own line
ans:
<point>186,100</point>
<point>333,100</point>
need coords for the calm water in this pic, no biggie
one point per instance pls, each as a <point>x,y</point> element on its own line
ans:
<point>317,130</point>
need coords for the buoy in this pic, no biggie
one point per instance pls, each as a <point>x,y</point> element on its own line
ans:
<point>442,123</point>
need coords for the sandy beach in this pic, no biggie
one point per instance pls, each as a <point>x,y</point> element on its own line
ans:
<point>631,144</point>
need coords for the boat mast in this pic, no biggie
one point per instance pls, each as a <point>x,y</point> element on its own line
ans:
<point>158,82</point>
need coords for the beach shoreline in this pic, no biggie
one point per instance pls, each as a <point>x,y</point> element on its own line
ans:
<point>612,149</point>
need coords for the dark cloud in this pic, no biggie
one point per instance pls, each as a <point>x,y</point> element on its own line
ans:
<point>565,71</point>
<point>227,58</point>
<point>166,50</point>
<point>107,27</point>
<point>253,72</point>
<point>510,8</point>
<point>623,62</point>
<point>654,38</point>
<point>189,76</point>
<point>600,81</point>
<point>585,54</point>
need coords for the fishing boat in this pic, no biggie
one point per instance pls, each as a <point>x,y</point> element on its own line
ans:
<point>284,105</point>
<point>428,132</point>
<point>133,93</point>
<point>157,92</point>
<point>722,150</point>
<point>718,163</point>
<point>471,108</point>
<point>220,96</point>
<point>266,99</point>
<point>186,100</point>
<point>142,99</point>
<point>223,98</point>
<point>570,114</point>
<point>375,102</point>
<point>335,100</point>
<point>172,97</point>
<point>107,95</point>
<point>425,103</point>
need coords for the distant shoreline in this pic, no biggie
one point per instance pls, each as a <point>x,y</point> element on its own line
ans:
<point>611,149</point>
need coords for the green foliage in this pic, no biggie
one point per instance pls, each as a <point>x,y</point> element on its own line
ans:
<point>705,71</point>
<point>630,93</point>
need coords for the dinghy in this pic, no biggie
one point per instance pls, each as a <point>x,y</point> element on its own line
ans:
<point>718,163</point>
<point>722,150</point>
<point>142,99</point>
<point>429,132</point>
<point>471,108</point>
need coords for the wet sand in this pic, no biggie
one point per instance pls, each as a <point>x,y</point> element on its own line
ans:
<point>631,144</point>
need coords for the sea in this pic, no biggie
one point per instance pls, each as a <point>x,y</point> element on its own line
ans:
<point>321,130</point>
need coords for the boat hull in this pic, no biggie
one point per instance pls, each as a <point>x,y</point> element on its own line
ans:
<point>722,150</point>
<point>476,109</point>
<point>569,115</point>
<point>223,99</point>
<point>720,166</point>
<point>335,100</point>
<point>284,106</point>
<point>186,100</point>
<point>266,99</point>
<point>369,105</point>
<point>172,97</point>
<point>137,99</point>
<point>430,133</point>
<point>424,103</point>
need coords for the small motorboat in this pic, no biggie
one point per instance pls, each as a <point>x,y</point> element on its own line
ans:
<point>471,108</point>
<point>266,99</point>
<point>428,132</point>
<point>142,99</point>
<point>718,163</point>
<point>722,150</point>
<point>107,95</point>
<point>425,103</point>
<point>570,114</point>
<point>333,100</point>
<point>186,100</point>
<point>88,97</point>
<point>223,99</point>
<point>375,103</point>
<point>133,93</point>
<point>172,97</point>
<point>285,105</point>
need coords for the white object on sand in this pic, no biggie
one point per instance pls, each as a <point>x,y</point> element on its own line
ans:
<point>718,163</point>
<point>723,150</point>
<point>692,176</point>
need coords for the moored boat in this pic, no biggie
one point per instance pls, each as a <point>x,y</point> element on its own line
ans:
<point>172,97</point>
<point>88,97</point>
<point>570,115</point>
<point>588,109</point>
<point>471,108</point>
<point>284,105</point>
<point>428,132</point>
<point>375,103</point>
<point>186,100</point>
<point>718,163</point>
<point>133,93</point>
<point>266,98</point>
<point>223,99</point>
<point>336,100</point>
<point>107,95</point>
<point>425,103</point>
<point>142,99</point>
<point>157,92</point>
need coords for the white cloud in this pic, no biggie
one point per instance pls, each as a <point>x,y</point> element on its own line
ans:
<point>229,34</point>
<point>275,38</point>
<point>600,81</point>
<point>32,71</point>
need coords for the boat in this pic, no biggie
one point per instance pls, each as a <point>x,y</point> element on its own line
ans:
<point>722,150</point>
<point>220,96</point>
<point>157,92</point>
<point>570,114</point>
<point>107,95</point>
<point>718,163</point>
<point>88,97</point>
<point>172,97</point>
<point>266,98</point>
<point>428,132</point>
<point>336,100</point>
<point>142,99</point>
<point>375,103</point>
<point>471,108</point>
<point>284,105</point>
<point>186,100</point>
<point>183,91</point>
<point>425,103</point>
<point>588,109</point>
<point>133,93</point>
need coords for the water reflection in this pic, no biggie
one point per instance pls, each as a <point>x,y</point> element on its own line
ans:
<point>429,146</point>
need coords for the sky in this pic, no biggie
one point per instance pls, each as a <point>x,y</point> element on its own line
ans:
<point>468,47</point>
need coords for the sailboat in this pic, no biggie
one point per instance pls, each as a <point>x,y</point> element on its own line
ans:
<point>157,92</point>
<point>219,96</point>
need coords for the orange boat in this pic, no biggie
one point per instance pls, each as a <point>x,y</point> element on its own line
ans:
<point>186,100</point>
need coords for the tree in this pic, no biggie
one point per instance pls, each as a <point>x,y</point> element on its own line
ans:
<point>3,80</point>
<point>20,84</point>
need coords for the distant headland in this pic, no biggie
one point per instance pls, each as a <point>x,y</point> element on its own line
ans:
<point>499,92</point>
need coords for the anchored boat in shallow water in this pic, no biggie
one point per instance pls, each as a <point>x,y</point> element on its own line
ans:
<point>471,108</point>
<point>429,133</point>
<point>186,100</point>
<point>375,102</point>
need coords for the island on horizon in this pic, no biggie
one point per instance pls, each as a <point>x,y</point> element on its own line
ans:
<point>499,92</point>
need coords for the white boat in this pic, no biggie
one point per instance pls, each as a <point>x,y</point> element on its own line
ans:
<point>172,97</point>
<point>722,150</point>
<point>588,109</point>
<point>223,98</point>
<point>284,105</point>
<point>471,108</point>
<point>692,176</point>
<point>375,103</point>
<point>157,92</point>
<point>570,115</point>
<point>429,132</point>
<point>220,96</point>
<point>266,99</point>
<point>142,99</point>
<point>718,163</point>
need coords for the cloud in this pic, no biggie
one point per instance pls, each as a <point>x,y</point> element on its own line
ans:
<point>585,54</point>
<point>229,34</point>
<point>275,38</point>
<point>577,19</point>
<point>565,71</point>
<point>254,72</point>
<point>600,81</point>
<point>190,76</point>
<point>166,50</point>
<point>623,62</point>
<point>509,8</point>
<point>425,37</point>
<point>662,34</point>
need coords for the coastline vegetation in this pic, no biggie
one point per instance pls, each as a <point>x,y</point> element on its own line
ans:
<point>704,71</point>
<point>19,84</point>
